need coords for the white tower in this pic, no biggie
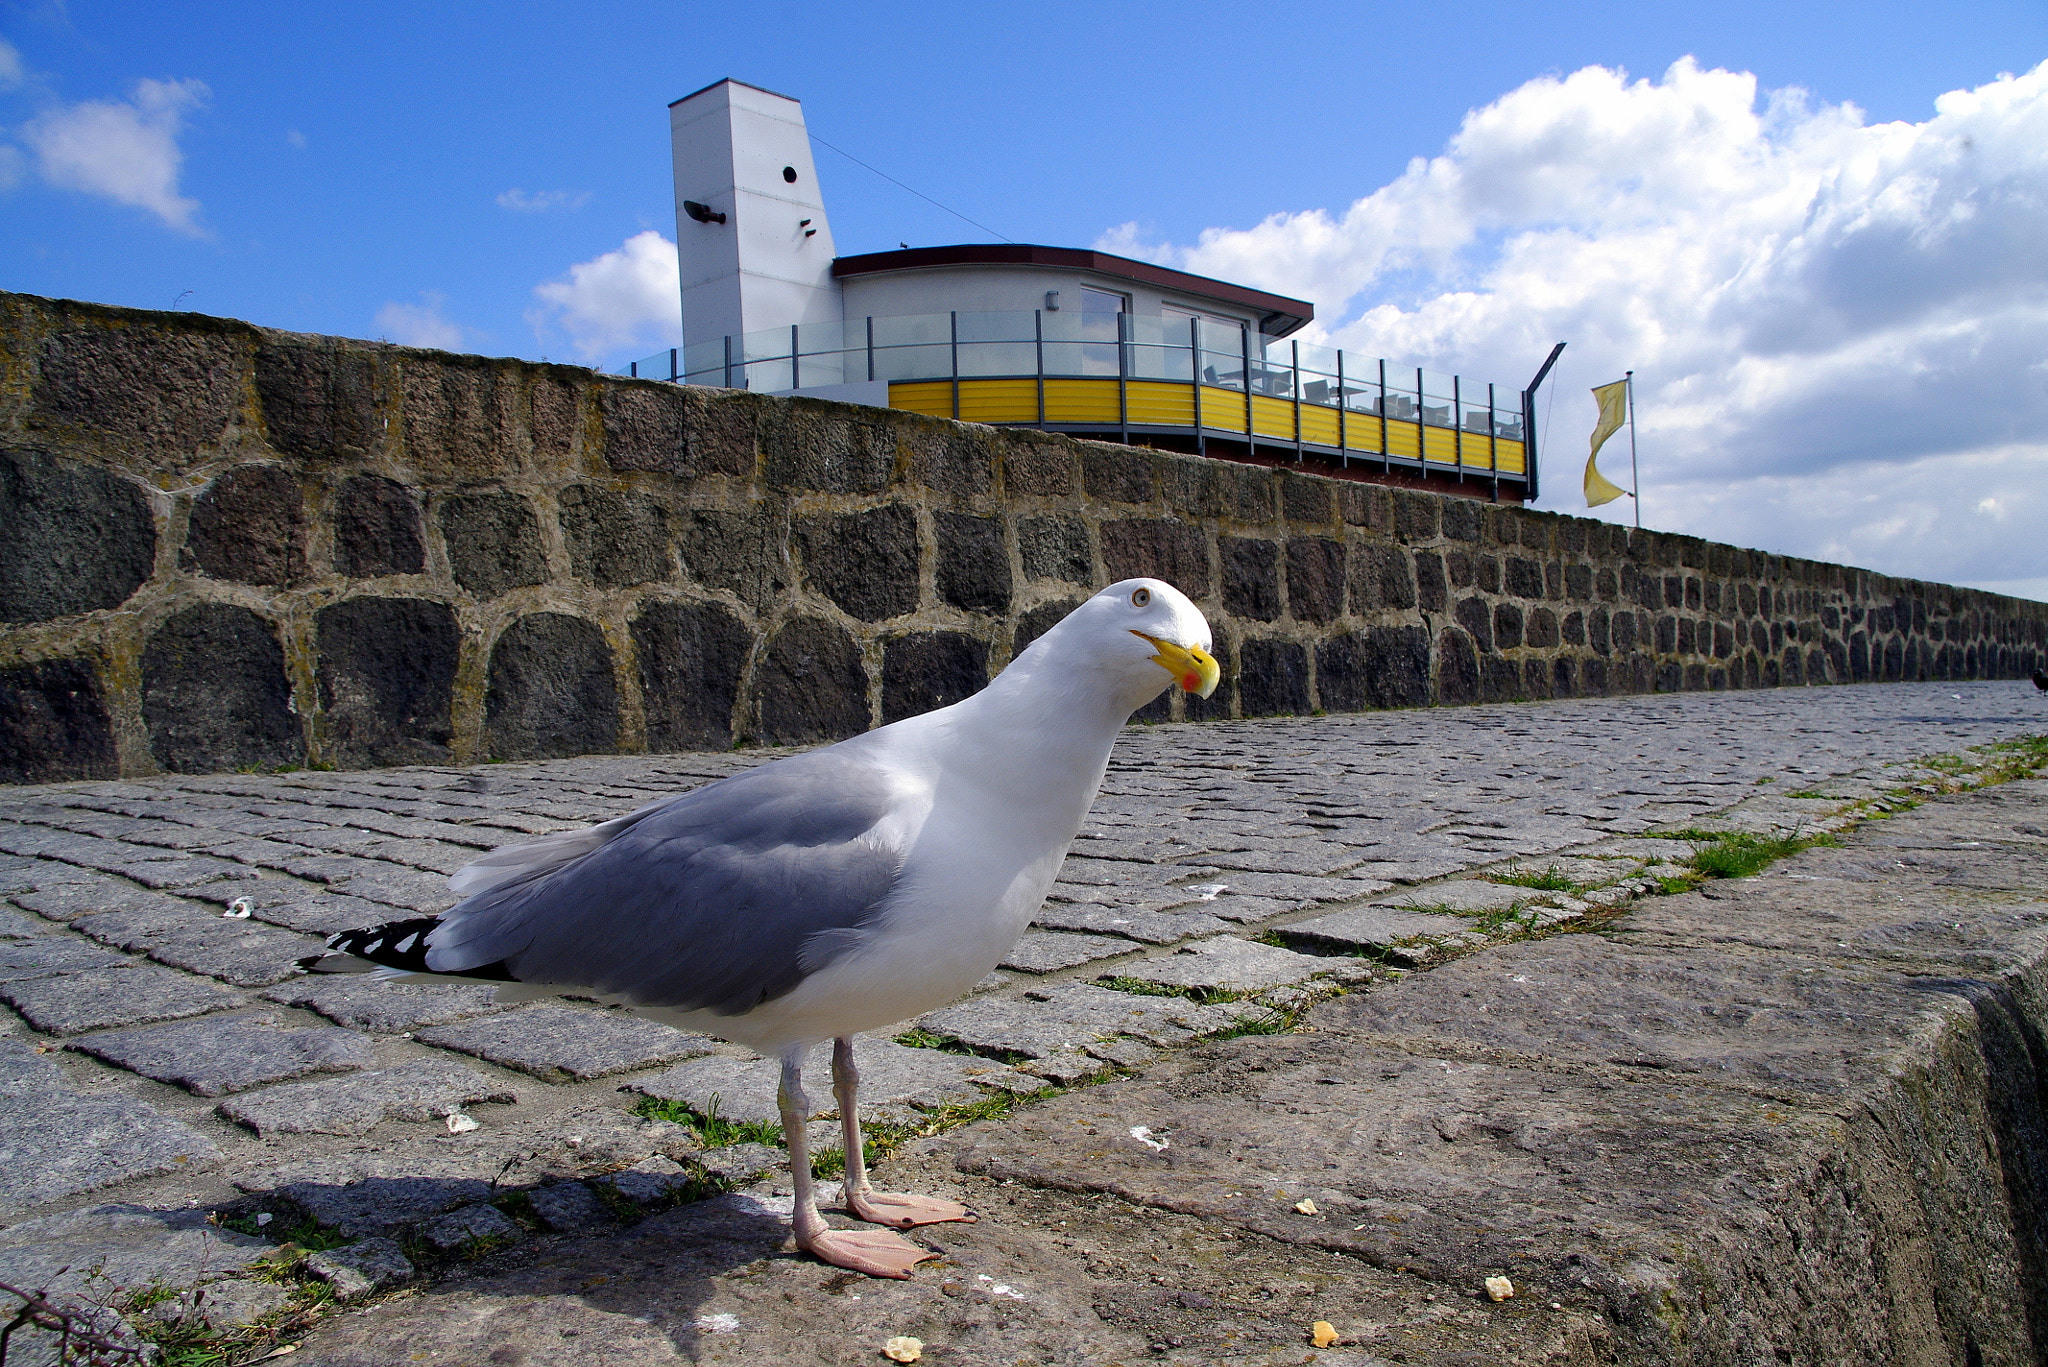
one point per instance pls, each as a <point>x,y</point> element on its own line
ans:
<point>755,248</point>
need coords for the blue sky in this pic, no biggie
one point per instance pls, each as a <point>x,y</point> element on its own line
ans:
<point>436,172</point>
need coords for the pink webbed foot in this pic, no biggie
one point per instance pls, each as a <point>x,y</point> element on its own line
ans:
<point>898,1211</point>
<point>875,1252</point>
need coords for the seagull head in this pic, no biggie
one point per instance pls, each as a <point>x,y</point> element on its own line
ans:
<point>1139,637</point>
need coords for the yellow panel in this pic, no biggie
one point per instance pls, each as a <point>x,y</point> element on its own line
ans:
<point>1273,417</point>
<point>1157,404</point>
<point>1319,425</point>
<point>933,399</point>
<point>1223,409</point>
<point>1362,431</point>
<point>1080,401</point>
<point>999,401</point>
<point>1401,439</point>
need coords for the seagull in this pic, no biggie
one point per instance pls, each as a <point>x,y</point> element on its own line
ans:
<point>826,894</point>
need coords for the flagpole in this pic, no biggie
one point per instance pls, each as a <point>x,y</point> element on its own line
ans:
<point>1633,477</point>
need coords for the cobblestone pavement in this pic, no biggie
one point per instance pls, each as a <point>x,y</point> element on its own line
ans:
<point>165,1063</point>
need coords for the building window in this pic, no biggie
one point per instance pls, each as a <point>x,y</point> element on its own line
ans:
<point>1103,301</point>
<point>1177,319</point>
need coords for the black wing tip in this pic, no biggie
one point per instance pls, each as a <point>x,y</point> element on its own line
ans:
<point>401,945</point>
<point>395,944</point>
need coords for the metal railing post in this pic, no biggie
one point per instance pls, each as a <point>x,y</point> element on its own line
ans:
<point>795,350</point>
<point>1123,379</point>
<point>953,320</point>
<point>1195,374</point>
<point>1492,442</point>
<point>1038,357</point>
<point>1386,460</point>
<point>1251,435</point>
<point>1458,428</point>
<point>871,346</point>
<point>728,360</point>
<point>1421,426</point>
<point>1294,350</point>
<point>1343,409</point>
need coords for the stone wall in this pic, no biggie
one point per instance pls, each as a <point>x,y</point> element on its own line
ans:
<point>224,547</point>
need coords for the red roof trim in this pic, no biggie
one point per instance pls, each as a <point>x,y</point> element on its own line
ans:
<point>1272,308</point>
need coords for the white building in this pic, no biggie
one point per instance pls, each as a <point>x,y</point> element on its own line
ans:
<point>1064,339</point>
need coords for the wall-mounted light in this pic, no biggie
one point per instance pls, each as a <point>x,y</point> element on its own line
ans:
<point>1052,301</point>
<point>703,213</point>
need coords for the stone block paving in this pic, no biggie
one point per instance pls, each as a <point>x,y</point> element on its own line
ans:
<point>160,1053</point>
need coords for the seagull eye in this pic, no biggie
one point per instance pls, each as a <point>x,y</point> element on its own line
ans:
<point>1140,597</point>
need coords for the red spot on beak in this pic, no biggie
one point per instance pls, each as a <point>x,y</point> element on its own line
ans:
<point>1190,682</point>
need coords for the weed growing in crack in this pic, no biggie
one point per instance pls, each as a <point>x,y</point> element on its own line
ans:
<point>1738,854</point>
<point>883,1138</point>
<point>917,1037</point>
<point>2020,757</point>
<point>713,1130</point>
<point>1515,917</point>
<point>1549,880</point>
<point>921,1038</point>
<point>193,1341</point>
<point>284,1227</point>
<point>1276,1021</point>
<point>1200,996</point>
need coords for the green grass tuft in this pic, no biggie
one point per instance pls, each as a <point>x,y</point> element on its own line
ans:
<point>285,1227</point>
<point>1549,880</point>
<point>1138,987</point>
<point>920,1038</point>
<point>1738,854</point>
<point>518,1205</point>
<point>1201,996</point>
<point>1492,922</point>
<point>713,1130</point>
<point>1274,1022</point>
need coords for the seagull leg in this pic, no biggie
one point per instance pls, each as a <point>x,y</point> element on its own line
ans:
<point>875,1252</point>
<point>877,1207</point>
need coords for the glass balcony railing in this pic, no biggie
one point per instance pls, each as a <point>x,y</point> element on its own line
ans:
<point>1040,345</point>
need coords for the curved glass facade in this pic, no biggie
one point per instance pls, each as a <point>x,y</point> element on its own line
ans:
<point>1129,375</point>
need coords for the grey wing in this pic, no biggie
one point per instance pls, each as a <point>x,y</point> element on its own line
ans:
<point>720,899</point>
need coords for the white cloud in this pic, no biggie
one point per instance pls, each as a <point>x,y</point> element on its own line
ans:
<point>12,72</point>
<point>1837,328</point>
<point>1135,241</point>
<point>625,299</point>
<point>541,201</point>
<point>127,152</point>
<point>421,324</point>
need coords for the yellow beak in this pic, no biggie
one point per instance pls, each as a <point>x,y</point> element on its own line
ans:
<point>1193,668</point>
